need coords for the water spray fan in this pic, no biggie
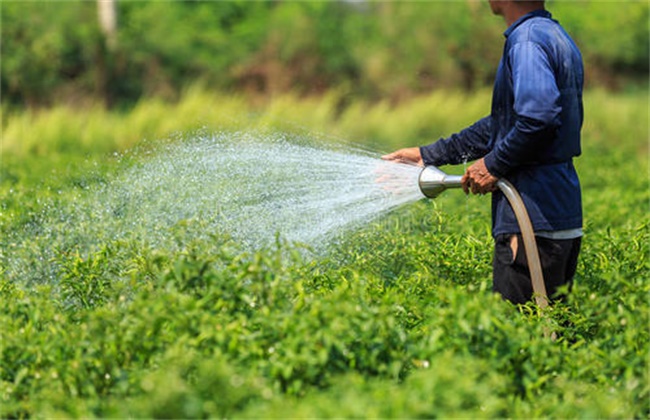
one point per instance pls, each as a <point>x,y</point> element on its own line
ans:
<point>432,182</point>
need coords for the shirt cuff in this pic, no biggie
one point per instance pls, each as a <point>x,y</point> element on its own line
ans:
<point>431,155</point>
<point>494,166</point>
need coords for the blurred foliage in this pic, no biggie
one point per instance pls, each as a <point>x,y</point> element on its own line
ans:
<point>54,51</point>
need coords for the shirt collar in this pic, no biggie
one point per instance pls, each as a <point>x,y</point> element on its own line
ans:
<point>535,13</point>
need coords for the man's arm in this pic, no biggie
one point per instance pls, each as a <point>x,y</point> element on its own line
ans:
<point>469,144</point>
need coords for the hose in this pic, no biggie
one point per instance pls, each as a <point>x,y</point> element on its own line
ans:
<point>530,245</point>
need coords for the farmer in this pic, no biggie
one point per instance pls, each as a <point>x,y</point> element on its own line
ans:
<point>530,139</point>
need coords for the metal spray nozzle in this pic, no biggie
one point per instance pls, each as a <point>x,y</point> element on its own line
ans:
<point>433,181</point>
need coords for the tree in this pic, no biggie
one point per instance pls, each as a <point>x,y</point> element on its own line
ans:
<point>108,22</point>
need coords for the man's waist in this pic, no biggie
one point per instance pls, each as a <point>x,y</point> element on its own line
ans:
<point>560,234</point>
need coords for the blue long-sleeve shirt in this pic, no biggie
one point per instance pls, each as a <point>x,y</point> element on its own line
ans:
<point>533,130</point>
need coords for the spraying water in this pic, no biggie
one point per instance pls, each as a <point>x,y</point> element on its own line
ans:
<point>249,186</point>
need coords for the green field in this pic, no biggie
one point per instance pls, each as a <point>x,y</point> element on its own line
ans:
<point>395,319</point>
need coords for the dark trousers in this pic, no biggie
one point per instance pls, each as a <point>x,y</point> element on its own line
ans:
<point>558,257</point>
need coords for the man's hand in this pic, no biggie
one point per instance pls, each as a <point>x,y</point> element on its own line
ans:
<point>478,179</point>
<point>410,155</point>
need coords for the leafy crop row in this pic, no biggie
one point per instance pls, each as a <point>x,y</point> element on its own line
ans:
<point>214,333</point>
